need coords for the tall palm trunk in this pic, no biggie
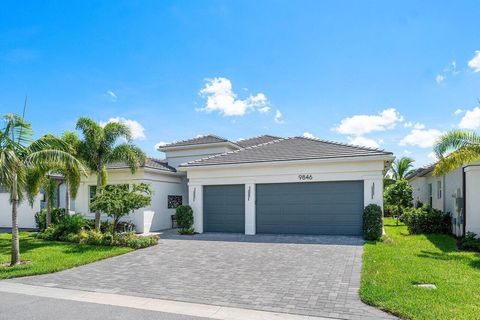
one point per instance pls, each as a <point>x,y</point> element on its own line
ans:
<point>15,241</point>
<point>99,185</point>
<point>67,197</point>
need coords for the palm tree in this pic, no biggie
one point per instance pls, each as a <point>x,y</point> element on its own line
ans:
<point>401,168</point>
<point>455,148</point>
<point>71,174</point>
<point>99,148</point>
<point>22,164</point>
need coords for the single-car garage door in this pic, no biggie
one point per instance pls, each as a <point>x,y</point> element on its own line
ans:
<point>224,208</point>
<point>332,208</point>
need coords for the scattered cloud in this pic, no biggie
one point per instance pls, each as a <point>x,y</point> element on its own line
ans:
<point>439,78</point>
<point>278,117</point>
<point>160,144</point>
<point>414,125</point>
<point>361,124</point>
<point>474,63</point>
<point>407,152</point>
<point>364,142</point>
<point>423,138</point>
<point>137,130</point>
<point>264,109</point>
<point>220,97</point>
<point>458,111</point>
<point>432,156</point>
<point>112,95</point>
<point>308,135</point>
<point>471,119</point>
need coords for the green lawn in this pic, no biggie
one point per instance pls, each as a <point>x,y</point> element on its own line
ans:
<point>391,269</point>
<point>50,256</point>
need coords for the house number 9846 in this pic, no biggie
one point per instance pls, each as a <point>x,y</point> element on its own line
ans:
<point>304,177</point>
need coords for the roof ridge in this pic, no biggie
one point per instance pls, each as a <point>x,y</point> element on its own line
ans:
<point>196,137</point>
<point>342,144</point>
<point>233,151</point>
<point>259,136</point>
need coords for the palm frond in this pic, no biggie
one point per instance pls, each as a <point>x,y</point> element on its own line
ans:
<point>48,159</point>
<point>132,155</point>
<point>466,154</point>
<point>114,131</point>
<point>454,140</point>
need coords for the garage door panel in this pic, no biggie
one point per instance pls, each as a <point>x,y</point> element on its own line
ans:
<point>224,208</point>
<point>310,208</point>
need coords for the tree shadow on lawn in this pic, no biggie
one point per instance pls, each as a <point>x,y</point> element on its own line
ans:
<point>449,251</point>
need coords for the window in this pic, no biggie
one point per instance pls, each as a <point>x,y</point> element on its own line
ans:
<point>430,195</point>
<point>174,201</point>
<point>439,189</point>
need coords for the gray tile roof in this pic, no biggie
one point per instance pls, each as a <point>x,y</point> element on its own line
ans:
<point>250,142</point>
<point>421,172</point>
<point>195,141</point>
<point>287,149</point>
<point>152,163</point>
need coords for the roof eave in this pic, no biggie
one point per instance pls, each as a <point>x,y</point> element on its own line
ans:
<point>384,157</point>
<point>196,145</point>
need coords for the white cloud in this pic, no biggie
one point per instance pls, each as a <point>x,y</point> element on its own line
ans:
<point>360,124</point>
<point>471,119</point>
<point>136,129</point>
<point>221,98</point>
<point>432,156</point>
<point>308,135</point>
<point>458,111</point>
<point>160,144</point>
<point>474,63</point>
<point>112,95</point>
<point>365,142</point>
<point>439,78</point>
<point>414,125</point>
<point>264,109</point>
<point>278,117</point>
<point>423,138</point>
<point>407,152</point>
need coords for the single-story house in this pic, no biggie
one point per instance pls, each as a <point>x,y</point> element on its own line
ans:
<point>264,184</point>
<point>455,193</point>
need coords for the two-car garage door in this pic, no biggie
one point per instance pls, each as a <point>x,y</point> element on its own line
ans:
<point>288,208</point>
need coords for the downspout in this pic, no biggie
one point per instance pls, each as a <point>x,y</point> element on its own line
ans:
<point>464,191</point>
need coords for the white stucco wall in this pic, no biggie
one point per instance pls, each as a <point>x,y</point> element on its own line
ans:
<point>26,213</point>
<point>370,171</point>
<point>472,206</point>
<point>162,184</point>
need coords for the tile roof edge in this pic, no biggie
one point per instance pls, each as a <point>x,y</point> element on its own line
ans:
<point>344,144</point>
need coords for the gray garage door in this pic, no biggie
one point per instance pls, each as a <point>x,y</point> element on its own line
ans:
<point>333,208</point>
<point>224,208</point>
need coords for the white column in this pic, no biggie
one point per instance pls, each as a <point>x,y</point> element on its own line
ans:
<point>195,199</point>
<point>472,205</point>
<point>373,191</point>
<point>250,227</point>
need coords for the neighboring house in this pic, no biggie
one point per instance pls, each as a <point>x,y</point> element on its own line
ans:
<point>264,184</point>
<point>456,193</point>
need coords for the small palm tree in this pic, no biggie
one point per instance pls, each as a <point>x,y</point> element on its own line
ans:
<point>23,163</point>
<point>99,148</point>
<point>401,168</point>
<point>455,148</point>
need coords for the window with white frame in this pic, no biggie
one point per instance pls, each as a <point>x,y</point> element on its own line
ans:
<point>439,189</point>
<point>430,194</point>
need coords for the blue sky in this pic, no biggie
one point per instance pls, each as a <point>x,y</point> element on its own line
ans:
<point>391,74</point>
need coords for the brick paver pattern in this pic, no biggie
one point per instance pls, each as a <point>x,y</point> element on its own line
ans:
<point>308,275</point>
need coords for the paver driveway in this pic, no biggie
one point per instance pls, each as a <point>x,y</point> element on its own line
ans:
<point>318,275</point>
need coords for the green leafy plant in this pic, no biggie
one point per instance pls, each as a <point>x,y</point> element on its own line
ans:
<point>99,147</point>
<point>426,220</point>
<point>454,149</point>
<point>399,195</point>
<point>57,214</point>
<point>118,201</point>
<point>184,216</point>
<point>470,242</point>
<point>372,222</point>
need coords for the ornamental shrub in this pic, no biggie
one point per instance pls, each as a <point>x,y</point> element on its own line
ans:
<point>470,242</point>
<point>372,222</point>
<point>184,216</point>
<point>427,220</point>
<point>41,217</point>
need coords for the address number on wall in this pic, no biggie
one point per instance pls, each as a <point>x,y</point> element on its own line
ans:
<point>305,177</point>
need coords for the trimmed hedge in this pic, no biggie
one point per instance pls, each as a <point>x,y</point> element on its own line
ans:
<point>184,216</point>
<point>372,222</point>
<point>426,220</point>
